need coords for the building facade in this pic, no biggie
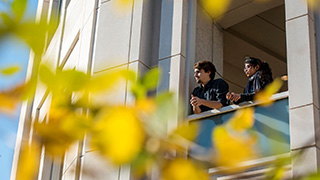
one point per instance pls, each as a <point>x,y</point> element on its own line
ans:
<point>95,36</point>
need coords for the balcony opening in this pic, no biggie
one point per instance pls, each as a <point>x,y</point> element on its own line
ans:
<point>246,28</point>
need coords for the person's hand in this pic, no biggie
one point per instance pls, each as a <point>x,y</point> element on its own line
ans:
<point>195,101</point>
<point>228,96</point>
<point>233,96</point>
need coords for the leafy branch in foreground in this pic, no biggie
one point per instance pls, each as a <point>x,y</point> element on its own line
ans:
<point>134,134</point>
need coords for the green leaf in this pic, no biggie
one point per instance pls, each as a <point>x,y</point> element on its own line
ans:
<point>72,80</point>
<point>107,80</point>
<point>34,34</point>
<point>18,8</point>
<point>150,79</point>
<point>128,74</point>
<point>6,19</point>
<point>47,76</point>
<point>10,70</point>
<point>138,91</point>
<point>187,131</point>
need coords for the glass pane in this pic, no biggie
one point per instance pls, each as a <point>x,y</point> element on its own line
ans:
<point>271,127</point>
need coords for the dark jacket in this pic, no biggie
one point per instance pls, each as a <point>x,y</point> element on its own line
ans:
<point>214,90</point>
<point>254,85</point>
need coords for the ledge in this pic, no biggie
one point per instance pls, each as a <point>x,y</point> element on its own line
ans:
<point>252,164</point>
<point>234,107</point>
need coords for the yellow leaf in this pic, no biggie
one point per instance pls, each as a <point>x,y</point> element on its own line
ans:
<point>278,173</point>
<point>7,103</point>
<point>146,105</point>
<point>119,135</point>
<point>10,70</point>
<point>64,127</point>
<point>242,120</point>
<point>54,139</point>
<point>187,131</point>
<point>11,98</point>
<point>215,7</point>
<point>182,169</point>
<point>107,80</point>
<point>231,149</point>
<point>28,162</point>
<point>265,95</point>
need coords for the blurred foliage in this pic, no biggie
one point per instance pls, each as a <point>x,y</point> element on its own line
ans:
<point>182,169</point>
<point>264,97</point>
<point>28,162</point>
<point>233,142</point>
<point>10,70</point>
<point>135,134</point>
<point>215,8</point>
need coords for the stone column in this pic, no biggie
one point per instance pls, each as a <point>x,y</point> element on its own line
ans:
<point>173,49</point>
<point>303,86</point>
<point>217,49</point>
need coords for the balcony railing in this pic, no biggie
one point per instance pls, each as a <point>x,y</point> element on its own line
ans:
<point>271,126</point>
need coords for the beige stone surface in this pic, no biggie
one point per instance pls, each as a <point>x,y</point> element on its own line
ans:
<point>70,156</point>
<point>114,95</point>
<point>85,41</point>
<point>307,163</point>
<point>70,173</point>
<point>135,43</point>
<point>89,10</point>
<point>296,8</point>
<point>72,27</point>
<point>112,38</point>
<point>97,168</point>
<point>302,89</point>
<point>303,126</point>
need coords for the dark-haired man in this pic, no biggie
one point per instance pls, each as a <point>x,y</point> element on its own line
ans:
<point>211,93</point>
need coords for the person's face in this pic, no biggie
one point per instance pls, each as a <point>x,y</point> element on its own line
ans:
<point>250,70</point>
<point>201,76</point>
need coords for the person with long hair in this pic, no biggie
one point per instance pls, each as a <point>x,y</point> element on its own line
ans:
<point>260,76</point>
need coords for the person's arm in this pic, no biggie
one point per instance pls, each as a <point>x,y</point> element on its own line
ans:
<point>196,102</point>
<point>234,97</point>
<point>239,98</point>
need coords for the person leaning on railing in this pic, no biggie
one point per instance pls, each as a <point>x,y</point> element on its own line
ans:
<point>260,76</point>
<point>211,93</point>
